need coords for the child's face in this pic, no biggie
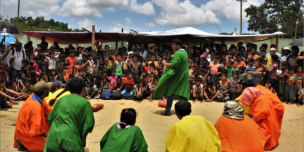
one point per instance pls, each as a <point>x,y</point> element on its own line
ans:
<point>52,55</point>
<point>2,62</point>
<point>53,73</point>
<point>195,73</point>
<point>14,84</point>
<point>140,84</point>
<point>268,84</point>
<point>228,65</point>
<point>284,66</point>
<point>153,58</point>
<point>72,54</point>
<point>300,69</point>
<point>91,58</point>
<point>80,73</point>
<point>118,80</point>
<point>134,59</point>
<point>238,58</point>
<point>215,59</point>
<point>27,84</point>
<point>235,76</point>
<point>250,63</point>
<point>118,58</point>
<point>44,76</point>
<point>291,71</point>
<point>22,76</point>
<point>67,66</point>
<point>144,74</point>
<point>204,73</point>
<point>130,76</point>
<point>62,63</point>
<point>241,71</point>
<point>155,82</point>
<point>104,80</point>
<point>79,62</point>
<point>256,64</point>
<point>197,83</point>
<point>112,73</point>
<point>224,78</point>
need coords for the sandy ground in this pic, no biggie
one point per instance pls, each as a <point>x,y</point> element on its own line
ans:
<point>155,127</point>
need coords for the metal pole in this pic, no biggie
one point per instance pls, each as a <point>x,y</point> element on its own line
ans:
<point>241,1</point>
<point>18,13</point>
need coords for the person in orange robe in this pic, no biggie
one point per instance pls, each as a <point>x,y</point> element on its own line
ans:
<point>32,125</point>
<point>263,112</point>
<point>278,105</point>
<point>238,132</point>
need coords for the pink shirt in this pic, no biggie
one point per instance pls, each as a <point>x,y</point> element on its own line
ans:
<point>112,81</point>
<point>36,68</point>
<point>273,73</point>
<point>214,68</point>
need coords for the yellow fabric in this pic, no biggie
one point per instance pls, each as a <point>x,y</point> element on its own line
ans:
<point>193,134</point>
<point>269,61</point>
<point>53,96</point>
<point>247,109</point>
<point>24,89</point>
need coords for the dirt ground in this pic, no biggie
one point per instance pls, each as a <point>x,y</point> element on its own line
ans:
<point>154,126</point>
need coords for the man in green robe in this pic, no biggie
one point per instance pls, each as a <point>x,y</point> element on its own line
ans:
<point>71,120</point>
<point>175,80</point>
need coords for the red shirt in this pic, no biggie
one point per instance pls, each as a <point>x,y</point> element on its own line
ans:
<point>126,81</point>
<point>72,61</point>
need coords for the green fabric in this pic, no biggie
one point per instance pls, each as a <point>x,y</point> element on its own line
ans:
<point>118,68</point>
<point>175,79</point>
<point>230,72</point>
<point>123,140</point>
<point>70,120</point>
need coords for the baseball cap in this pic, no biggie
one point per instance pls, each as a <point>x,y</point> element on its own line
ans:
<point>273,49</point>
<point>202,56</point>
<point>40,86</point>
<point>57,84</point>
<point>286,48</point>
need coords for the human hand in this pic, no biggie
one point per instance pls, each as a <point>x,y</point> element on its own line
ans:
<point>12,99</point>
<point>164,62</point>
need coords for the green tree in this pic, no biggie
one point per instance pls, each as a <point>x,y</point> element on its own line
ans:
<point>278,15</point>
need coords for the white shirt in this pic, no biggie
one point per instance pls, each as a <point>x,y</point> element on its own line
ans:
<point>144,55</point>
<point>17,63</point>
<point>279,55</point>
<point>90,66</point>
<point>52,63</point>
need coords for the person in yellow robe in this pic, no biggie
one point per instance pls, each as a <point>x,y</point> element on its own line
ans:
<point>191,133</point>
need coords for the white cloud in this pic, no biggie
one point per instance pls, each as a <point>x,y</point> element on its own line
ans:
<point>86,23</point>
<point>230,8</point>
<point>128,20</point>
<point>146,8</point>
<point>78,8</point>
<point>106,4</point>
<point>149,24</point>
<point>72,19</point>
<point>175,13</point>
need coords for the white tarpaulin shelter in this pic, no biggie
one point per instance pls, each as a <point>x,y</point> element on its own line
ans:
<point>193,36</point>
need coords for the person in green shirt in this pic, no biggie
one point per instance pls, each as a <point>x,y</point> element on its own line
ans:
<point>70,121</point>
<point>124,136</point>
<point>230,69</point>
<point>175,80</point>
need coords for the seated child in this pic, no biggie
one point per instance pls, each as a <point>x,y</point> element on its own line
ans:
<point>90,91</point>
<point>233,86</point>
<point>211,93</point>
<point>229,69</point>
<point>242,74</point>
<point>250,66</point>
<point>27,89</point>
<point>128,83</point>
<point>269,85</point>
<point>153,70</point>
<point>289,86</point>
<point>119,85</point>
<point>152,88</point>
<point>44,77</point>
<point>301,95</point>
<point>139,91</point>
<point>112,79</point>
<point>224,85</point>
<point>198,89</point>
<point>124,135</point>
<point>104,86</point>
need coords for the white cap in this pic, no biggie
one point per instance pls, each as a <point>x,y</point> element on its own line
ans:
<point>273,49</point>
<point>286,48</point>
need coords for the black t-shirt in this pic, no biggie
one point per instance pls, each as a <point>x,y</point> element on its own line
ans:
<point>43,67</point>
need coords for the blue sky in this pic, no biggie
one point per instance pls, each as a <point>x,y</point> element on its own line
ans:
<point>140,15</point>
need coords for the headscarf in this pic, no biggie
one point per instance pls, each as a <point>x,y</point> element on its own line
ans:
<point>249,95</point>
<point>79,58</point>
<point>234,110</point>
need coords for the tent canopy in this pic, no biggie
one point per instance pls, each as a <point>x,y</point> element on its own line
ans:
<point>186,34</point>
<point>72,37</point>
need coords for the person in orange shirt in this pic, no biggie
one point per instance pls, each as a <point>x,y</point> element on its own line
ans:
<point>246,138</point>
<point>32,126</point>
<point>253,54</point>
<point>72,59</point>
<point>238,63</point>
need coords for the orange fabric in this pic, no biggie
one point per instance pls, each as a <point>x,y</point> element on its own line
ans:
<point>278,105</point>
<point>67,74</point>
<point>214,68</point>
<point>72,61</point>
<point>238,64</point>
<point>31,124</point>
<point>255,57</point>
<point>249,95</point>
<point>262,109</point>
<point>126,81</point>
<point>240,135</point>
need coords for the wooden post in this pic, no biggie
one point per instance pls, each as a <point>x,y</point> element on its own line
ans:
<point>201,44</point>
<point>116,45</point>
<point>277,42</point>
<point>122,43</point>
<point>188,48</point>
<point>93,37</point>
<point>271,42</point>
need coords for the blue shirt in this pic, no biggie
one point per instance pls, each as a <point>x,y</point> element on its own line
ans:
<point>250,68</point>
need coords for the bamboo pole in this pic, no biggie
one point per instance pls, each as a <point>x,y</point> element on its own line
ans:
<point>93,37</point>
<point>277,42</point>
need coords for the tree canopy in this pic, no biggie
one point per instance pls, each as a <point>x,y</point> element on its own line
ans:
<point>39,24</point>
<point>278,15</point>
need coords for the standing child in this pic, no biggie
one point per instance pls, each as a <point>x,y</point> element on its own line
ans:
<point>67,71</point>
<point>300,77</point>
<point>34,77</point>
<point>105,88</point>
<point>78,65</point>
<point>290,86</point>
<point>139,90</point>
<point>72,60</point>
<point>112,78</point>
<point>95,67</point>
<point>230,69</point>
<point>153,70</point>
<point>60,69</point>
<point>242,74</point>
<point>250,66</point>
<point>224,86</point>
<point>215,69</point>
<point>233,86</point>
<point>36,65</point>
<point>152,88</point>
<point>198,89</point>
<point>118,66</point>
<point>269,85</point>
<point>282,80</point>
<point>43,65</point>
<point>89,67</point>
<point>238,63</point>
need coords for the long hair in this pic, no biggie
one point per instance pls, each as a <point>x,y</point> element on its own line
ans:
<point>127,117</point>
